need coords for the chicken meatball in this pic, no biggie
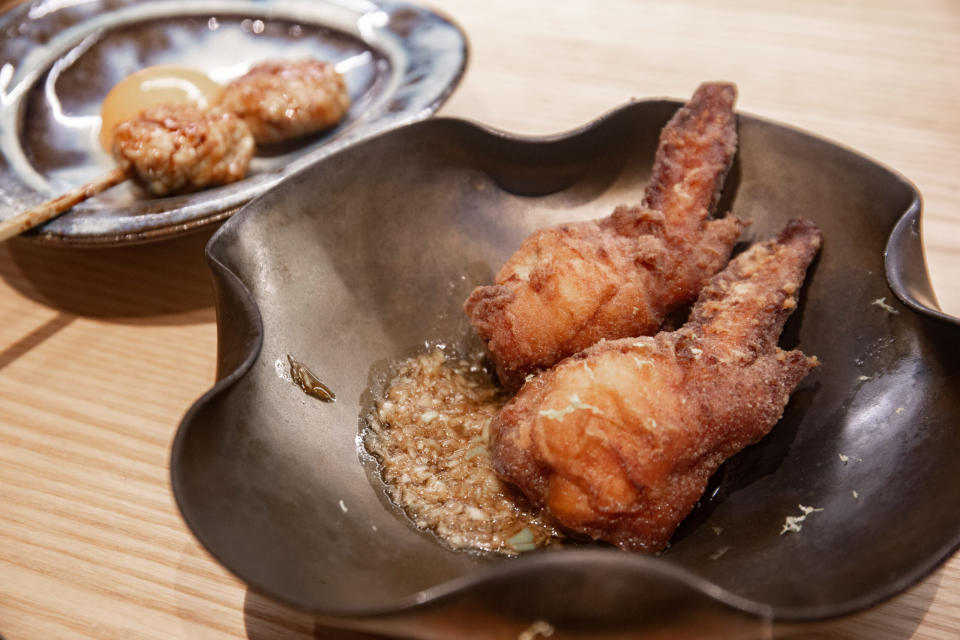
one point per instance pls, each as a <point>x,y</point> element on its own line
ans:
<point>280,100</point>
<point>178,148</point>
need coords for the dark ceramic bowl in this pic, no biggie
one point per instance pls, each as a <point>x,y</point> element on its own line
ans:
<point>362,258</point>
<point>58,60</point>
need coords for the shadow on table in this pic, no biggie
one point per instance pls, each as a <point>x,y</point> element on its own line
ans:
<point>165,283</point>
<point>896,619</point>
<point>160,283</point>
<point>266,619</point>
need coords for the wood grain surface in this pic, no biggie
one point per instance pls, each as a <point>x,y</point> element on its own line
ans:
<point>102,351</point>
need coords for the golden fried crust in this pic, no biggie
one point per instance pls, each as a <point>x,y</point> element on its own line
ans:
<point>571,285</point>
<point>618,442</point>
<point>694,155</point>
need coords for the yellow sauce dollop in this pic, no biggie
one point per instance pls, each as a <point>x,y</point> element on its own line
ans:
<point>154,85</point>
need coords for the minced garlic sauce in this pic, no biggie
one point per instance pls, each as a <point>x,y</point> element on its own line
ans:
<point>430,435</point>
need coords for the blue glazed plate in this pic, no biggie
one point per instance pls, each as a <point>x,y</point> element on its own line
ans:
<point>358,260</point>
<point>58,61</point>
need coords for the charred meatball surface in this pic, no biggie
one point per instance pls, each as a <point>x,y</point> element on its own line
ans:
<point>280,100</point>
<point>178,148</point>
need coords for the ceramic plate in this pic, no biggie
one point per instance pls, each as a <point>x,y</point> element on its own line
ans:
<point>59,59</point>
<point>364,257</point>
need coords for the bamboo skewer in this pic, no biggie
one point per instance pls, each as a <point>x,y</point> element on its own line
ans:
<point>50,209</point>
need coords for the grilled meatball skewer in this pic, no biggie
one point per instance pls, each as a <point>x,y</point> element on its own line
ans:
<point>179,148</point>
<point>169,148</point>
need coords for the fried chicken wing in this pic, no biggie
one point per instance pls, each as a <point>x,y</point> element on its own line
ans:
<point>618,442</point>
<point>284,99</point>
<point>571,285</point>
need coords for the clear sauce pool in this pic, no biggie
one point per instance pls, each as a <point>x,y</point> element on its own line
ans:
<point>431,436</point>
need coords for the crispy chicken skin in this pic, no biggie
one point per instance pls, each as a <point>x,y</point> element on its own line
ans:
<point>178,148</point>
<point>284,99</point>
<point>571,285</point>
<point>618,441</point>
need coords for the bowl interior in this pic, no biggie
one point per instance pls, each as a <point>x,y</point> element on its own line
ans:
<point>364,258</point>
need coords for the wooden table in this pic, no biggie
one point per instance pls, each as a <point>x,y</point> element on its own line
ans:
<point>102,351</point>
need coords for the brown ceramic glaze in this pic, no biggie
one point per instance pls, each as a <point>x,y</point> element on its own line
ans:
<point>362,258</point>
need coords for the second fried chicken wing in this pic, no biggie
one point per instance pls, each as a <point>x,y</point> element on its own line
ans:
<point>618,441</point>
<point>571,285</point>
